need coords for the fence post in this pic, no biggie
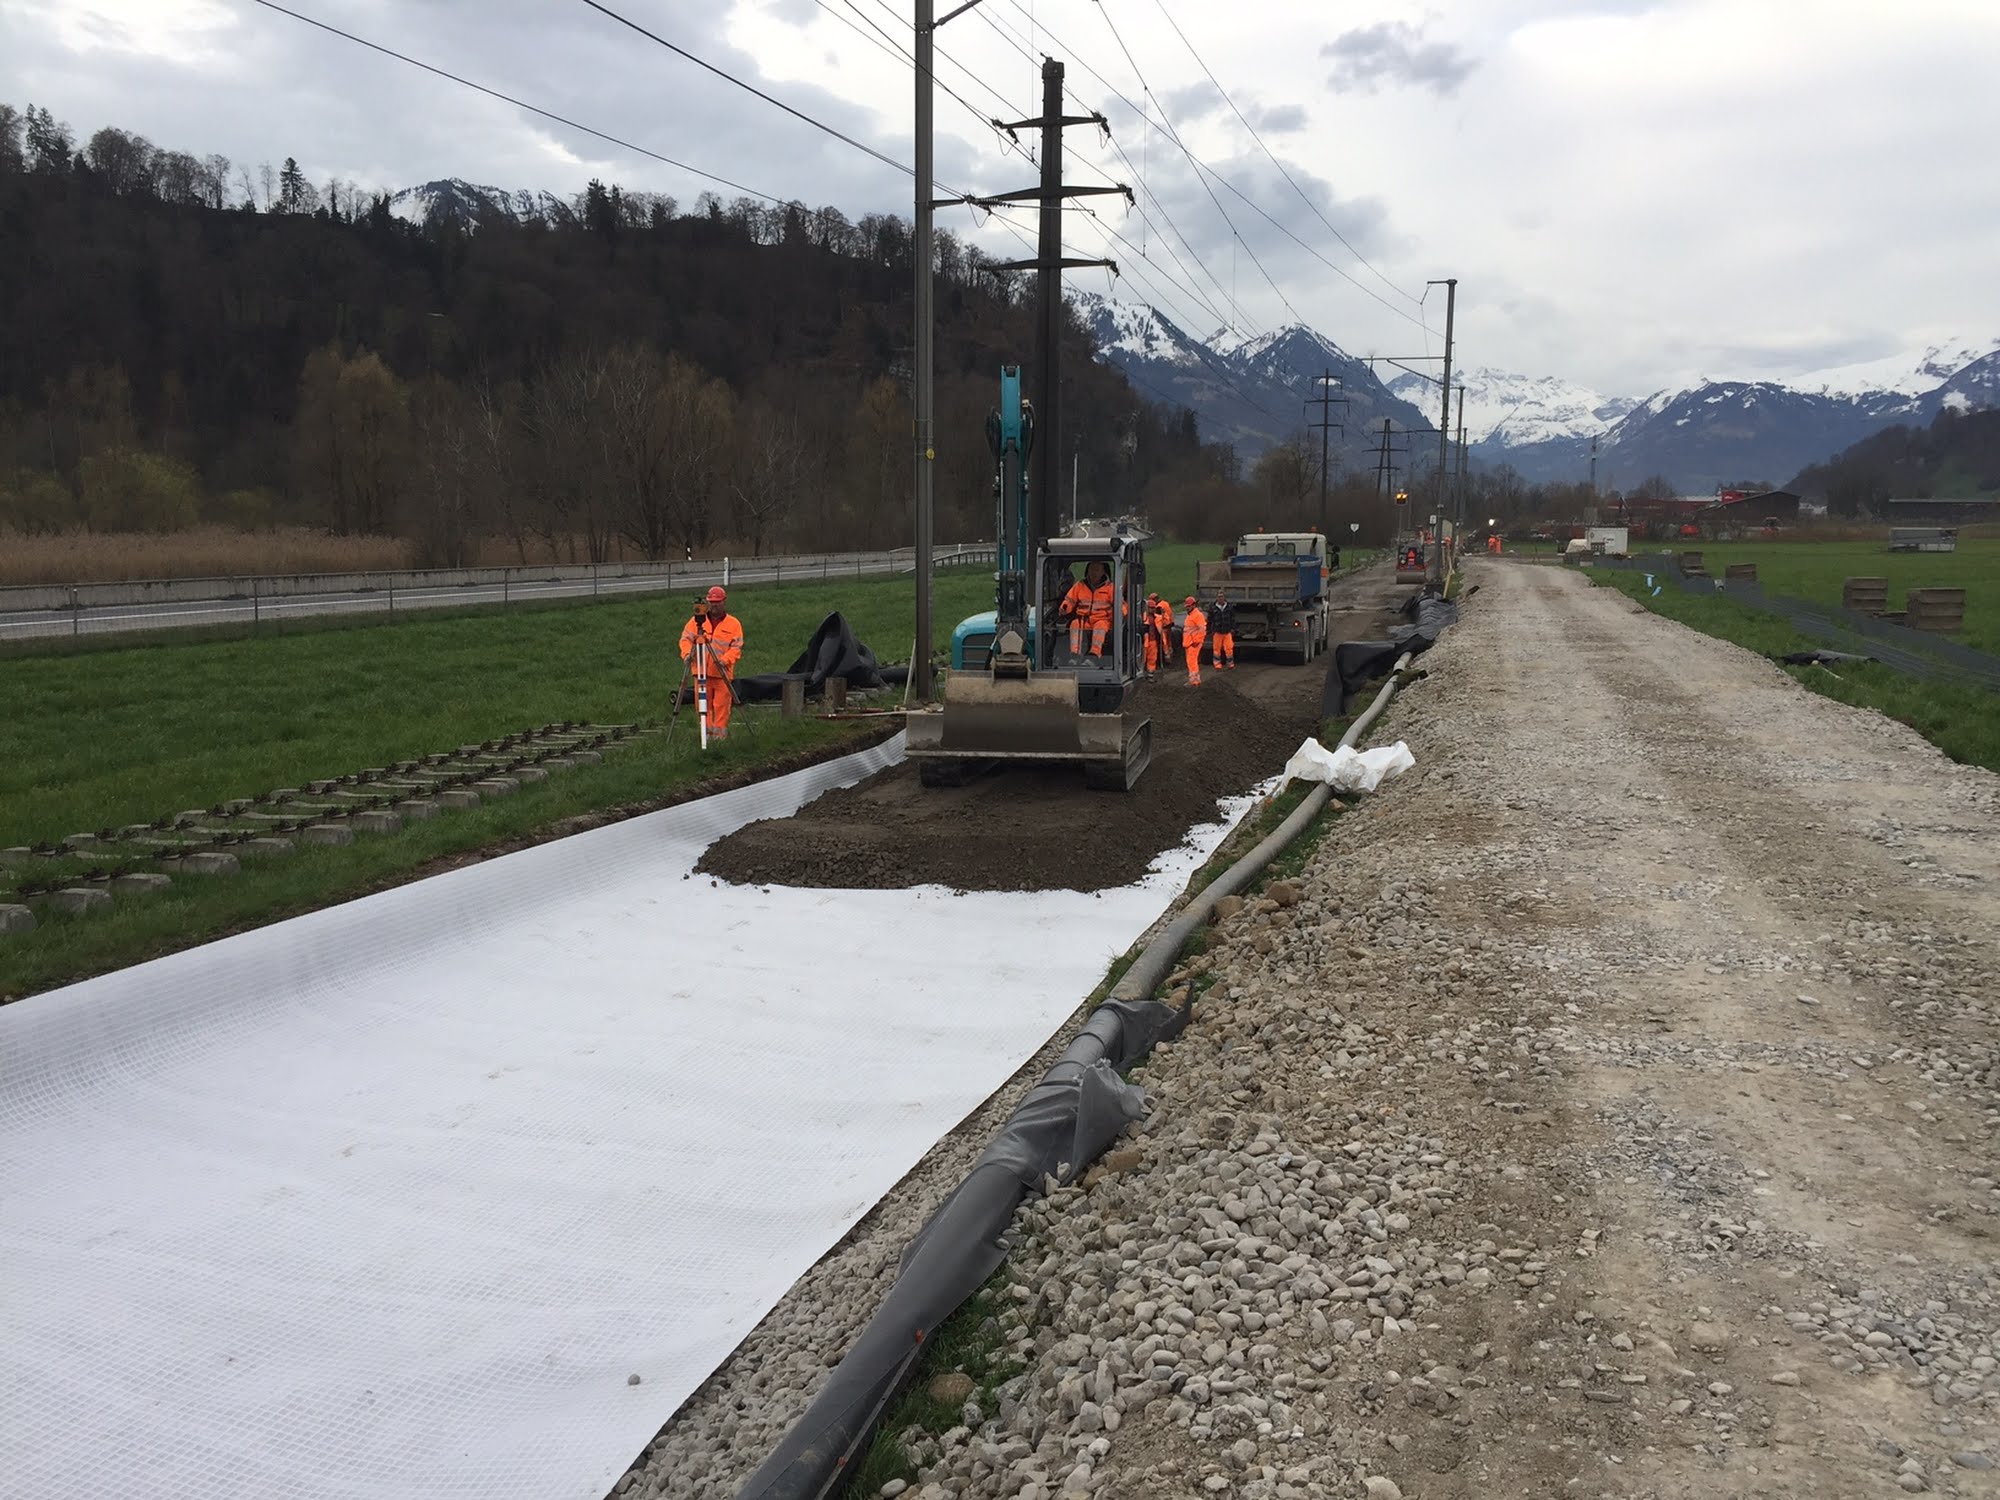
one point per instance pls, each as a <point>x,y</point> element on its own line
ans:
<point>593,580</point>
<point>506,578</point>
<point>75,612</point>
<point>256,602</point>
<point>725,572</point>
<point>392,593</point>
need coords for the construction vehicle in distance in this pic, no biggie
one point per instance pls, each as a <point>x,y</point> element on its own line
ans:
<point>1278,582</point>
<point>1412,561</point>
<point>1017,692</point>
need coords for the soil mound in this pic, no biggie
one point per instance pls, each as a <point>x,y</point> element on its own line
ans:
<point>1040,828</point>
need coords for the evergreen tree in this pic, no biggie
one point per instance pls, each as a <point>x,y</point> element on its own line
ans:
<point>51,147</point>
<point>295,194</point>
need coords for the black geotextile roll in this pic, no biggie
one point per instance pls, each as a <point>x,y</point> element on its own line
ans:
<point>833,651</point>
<point>1356,662</point>
<point>1080,1107</point>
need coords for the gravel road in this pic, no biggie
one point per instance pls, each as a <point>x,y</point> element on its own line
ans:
<point>1611,1108</point>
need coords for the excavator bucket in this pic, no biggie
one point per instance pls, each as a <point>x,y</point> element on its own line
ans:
<point>1037,718</point>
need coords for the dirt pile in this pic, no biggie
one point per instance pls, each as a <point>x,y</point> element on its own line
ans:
<point>1040,828</point>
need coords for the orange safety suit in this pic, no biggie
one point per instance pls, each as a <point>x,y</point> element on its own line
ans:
<point>1194,631</point>
<point>1159,624</point>
<point>1089,609</point>
<point>712,648</point>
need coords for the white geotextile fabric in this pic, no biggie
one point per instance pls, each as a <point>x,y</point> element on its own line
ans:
<point>390,1200</point>
<point>1346,769</point>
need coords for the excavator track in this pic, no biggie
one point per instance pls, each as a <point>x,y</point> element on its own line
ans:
<point>1109,776</point>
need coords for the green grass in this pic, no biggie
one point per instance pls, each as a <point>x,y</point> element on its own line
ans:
<point>123,735</point>
<point>967,1341</point>
<point>196,909</point>
<point>1815,570</point>
<point>1961,719</point>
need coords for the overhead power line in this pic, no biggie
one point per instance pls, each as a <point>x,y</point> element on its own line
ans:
<point>1239,320</point>
<point>1175,136</point>
<point>1202,168</point>
<point>1282,168</point>
<point>749,88</point>
<point>533,109</point>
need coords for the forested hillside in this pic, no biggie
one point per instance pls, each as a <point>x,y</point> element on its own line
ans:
<point>618,375</point>
<point>1956,457</point>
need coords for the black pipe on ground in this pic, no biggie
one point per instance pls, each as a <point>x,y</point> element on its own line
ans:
<point>1067,1120</point>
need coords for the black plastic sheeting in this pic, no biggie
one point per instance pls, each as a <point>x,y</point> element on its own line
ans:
<point>834,651</point>
<point>1080,1106</point>
<point>1358,662</point>
<point>1820,658</point>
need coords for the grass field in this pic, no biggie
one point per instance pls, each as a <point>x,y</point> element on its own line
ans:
<point>1815,570</point>
<point>122,735</point>
<point>1963,720</point>
<point>99,733</point>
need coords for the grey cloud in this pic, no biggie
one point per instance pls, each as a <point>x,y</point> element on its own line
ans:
<point>294,91</point>
<point>1395,52</point>
<point>1190,102</point>
<point>1277,119</point>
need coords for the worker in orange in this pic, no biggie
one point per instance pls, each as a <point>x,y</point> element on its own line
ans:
<point>711,646</point>
<point>1088,606</point>
<point>1493,544</point>
<point>1159,626</point>
<point>1222,631</point>
<point>1194,632</point>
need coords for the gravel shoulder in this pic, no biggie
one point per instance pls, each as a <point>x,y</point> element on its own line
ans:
<point>1613,1111</point>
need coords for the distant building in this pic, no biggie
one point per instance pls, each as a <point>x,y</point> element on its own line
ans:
<point>1941,512</point>
<point>1759,508</point>
<point>1728,513</point>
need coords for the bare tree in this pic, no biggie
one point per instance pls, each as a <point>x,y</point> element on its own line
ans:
<point>443,514</point>
<point>569,436</point>
<point>700,417</point>
<point>769,473</point>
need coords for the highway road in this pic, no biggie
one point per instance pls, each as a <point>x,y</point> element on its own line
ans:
<point>244,609</point>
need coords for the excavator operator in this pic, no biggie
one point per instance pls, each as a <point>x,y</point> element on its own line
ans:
<point>711,645</point>
<point>1088,606</point>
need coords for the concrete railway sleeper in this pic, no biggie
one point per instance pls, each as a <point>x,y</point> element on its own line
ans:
<point>1065,1122</point>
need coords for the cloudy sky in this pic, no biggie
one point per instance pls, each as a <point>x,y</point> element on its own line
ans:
<point>1630,194</point>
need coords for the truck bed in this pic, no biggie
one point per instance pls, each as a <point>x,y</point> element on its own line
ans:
<point>1288,580</point>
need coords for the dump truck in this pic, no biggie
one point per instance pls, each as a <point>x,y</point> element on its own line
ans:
<point>1278,582</point>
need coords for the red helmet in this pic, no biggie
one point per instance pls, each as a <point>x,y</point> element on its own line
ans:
<point>1190,602</point>
<point>717,596</point>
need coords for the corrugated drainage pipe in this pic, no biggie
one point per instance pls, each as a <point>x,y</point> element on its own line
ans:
<point>1066,1121</point>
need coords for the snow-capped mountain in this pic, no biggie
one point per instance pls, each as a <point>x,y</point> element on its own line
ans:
<point>1516,411</point>
<point>1249,392</point>
<point>1914,373</point>
<point>1714,431</point>
<point>472,203</point>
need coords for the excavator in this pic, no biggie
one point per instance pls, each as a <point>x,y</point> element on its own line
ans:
<point>1018,693</point>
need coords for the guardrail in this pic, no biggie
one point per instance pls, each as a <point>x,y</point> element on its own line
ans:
<point>152,604</point>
